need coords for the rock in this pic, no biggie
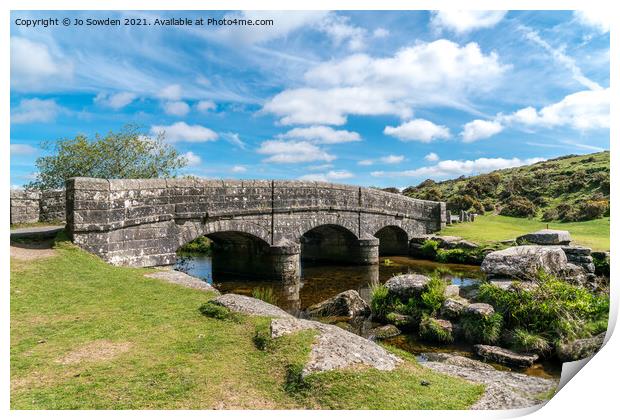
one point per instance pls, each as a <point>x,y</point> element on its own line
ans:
<point>580,349</point>
<point>574,274</point>
<point>436,330</point>
<point>348,304</point>
<point>577,250</point>
<point>180,278</point>
<point>523,262</point>
<point>504,356</point>
<point>466,244</point>
<point>452,290</point>
<point>335,348</point>
<point>546,237</point>
<point>480,309</point>
<point>404,322</point>
<point>407,285</point>
<point>453,307</point>
<point>514,285</point>
<point>385,331</point>
<point>503,389</point>
<point>456,360</point>
<point>250,306</point>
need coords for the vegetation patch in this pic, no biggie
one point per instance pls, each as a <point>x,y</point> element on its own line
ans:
<point>213,310</point>
<point>201,245</point>
<point>482,329</point>
<point>266,294</point>
<point>432,330</point>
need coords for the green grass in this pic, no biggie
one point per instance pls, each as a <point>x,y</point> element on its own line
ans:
<point>37,224</point>
<point>490,228</point>
<point>175,357</point>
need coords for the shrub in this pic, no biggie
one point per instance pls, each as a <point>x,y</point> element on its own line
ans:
<point>478,207</point>
<point>432,298</point>
<point>550,215</point>
<point>266,294</point>
<point>482,329</point>
<point>517,206</point>
<point>591,209</point>
<point>488,204</point>
<point>523,340</point>
<point>295,380</point>
<point>429,248</point>
<point>200,245</point>
<point>213,310</point>
<point>460,202</point>
<point>431,330</point>
<point>261,339</point>
<point>380,304</point>
<point>554,309</point>
<point>455,255</point>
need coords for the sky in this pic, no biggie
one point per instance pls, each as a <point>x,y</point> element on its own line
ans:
<point>369,98</point>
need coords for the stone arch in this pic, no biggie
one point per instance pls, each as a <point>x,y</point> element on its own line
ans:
<point>329,243</point>
<point>393,240</point>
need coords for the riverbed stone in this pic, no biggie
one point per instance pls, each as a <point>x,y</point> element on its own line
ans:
<point>503,389</point>
<point>183,279</point>
<point>523,262</point>
<point>250,306</point>
<point>406,286</point>
<point>546,237</point>
<point>580,349</point>
<point>404,322</point>
<point>436,329</point>
<point>452,290</point>
<point>504,356</point>
<point>335,348</point>
<point>453,307</point>
<point>385,331</point>
<point>455,360</point>
<point>480,309</point>
<point>348,303</point>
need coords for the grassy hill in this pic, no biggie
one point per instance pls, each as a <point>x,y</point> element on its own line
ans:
<point>568,189</point>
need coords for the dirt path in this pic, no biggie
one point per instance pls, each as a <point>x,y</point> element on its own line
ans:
<point>32,250</point>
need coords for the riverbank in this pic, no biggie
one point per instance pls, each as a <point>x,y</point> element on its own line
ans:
<point>85,334</point>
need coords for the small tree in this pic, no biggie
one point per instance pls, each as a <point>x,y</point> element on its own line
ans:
<point>127,153</point>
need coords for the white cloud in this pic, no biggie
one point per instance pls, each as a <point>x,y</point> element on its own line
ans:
<point>183,132</point>
<point>176,108</point>
<point>234,139</point>
<point>34,66</point>
<point>320,134</point>
<point>341,31</point>
<point>19,149</point>
<point>431,157</point>
<point>192,159</point>
<point>560,57</point>
<point>36,110</point>
<point>237,169</point>
<point>380,33</point>
<point>599,19</point>
<point>453,168</point>
<point>205,106</point>
<point>392,159</point>
<point>366,162</point>
<point>585,110</point>
<point>293,152</point>
<point>322,167</point>
<point>480,129</point>
<point>115,101</point>
<point>418,130</point>
<point>171,92</point>
<point>436,73</point>
<point>463,21</point>
<point>328,176</point>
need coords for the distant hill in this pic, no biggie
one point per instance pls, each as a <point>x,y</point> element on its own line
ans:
<point>569,188</point>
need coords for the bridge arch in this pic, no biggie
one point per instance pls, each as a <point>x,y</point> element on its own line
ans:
<point>393,240</point>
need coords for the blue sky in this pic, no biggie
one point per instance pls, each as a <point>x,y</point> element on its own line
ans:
<point>369,98</point>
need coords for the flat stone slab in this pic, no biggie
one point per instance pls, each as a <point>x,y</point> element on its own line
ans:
<point>407,285</point>
<point>580,349</point>
<point>250,306</point>
<point>348,304</point>
<point>335,348</point>
<point>504,390</point>
<point>180,278</point>
<point>523,262</point>
<point>546,237</point>
<point>504,356</point>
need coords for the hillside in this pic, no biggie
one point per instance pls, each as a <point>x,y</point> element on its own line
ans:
<point>568,189</point>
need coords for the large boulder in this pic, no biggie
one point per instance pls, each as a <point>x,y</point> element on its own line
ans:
<point>480,309</point>
<point>523,262</point>
<point>580,349</point>
<point>250,306</point>
<point>453,307</point>
<point>385,331</point>
<point>405,286</point>
<point>504,356</point>
<point>546,237</point>
<point>348,304</point>
<point>404,322</point>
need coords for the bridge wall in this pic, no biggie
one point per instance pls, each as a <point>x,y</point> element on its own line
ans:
<point>142,222</point>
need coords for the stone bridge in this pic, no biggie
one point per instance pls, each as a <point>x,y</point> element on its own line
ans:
<point>259,227</point>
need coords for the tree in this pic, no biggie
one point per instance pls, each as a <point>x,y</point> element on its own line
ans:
<point>127,153</point>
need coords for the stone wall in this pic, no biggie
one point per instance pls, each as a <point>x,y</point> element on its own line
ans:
<point>144,222</point>
<point>37,206</point>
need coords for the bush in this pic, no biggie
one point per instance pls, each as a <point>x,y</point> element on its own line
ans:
<point>429,248</point>
<point>460,202</point>
<point>517,206</point>
<point>550,215</point>
<point>431,330</point>
<point>432,298</point>
<point>213,310</point>
<point>555,309</point>
<point>380,304</point>
<point>261,340</point>
<point>488,204</point>
<point>482,329</point>
<point>266,294</point>
<point>591,209</point>
<point>522,340</point>
<point>295,380</point>
<point>200,245</point>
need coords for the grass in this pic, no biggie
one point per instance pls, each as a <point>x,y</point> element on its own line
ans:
<point>70,312</point>
<point>490,228</point>
<point>37,224</point>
